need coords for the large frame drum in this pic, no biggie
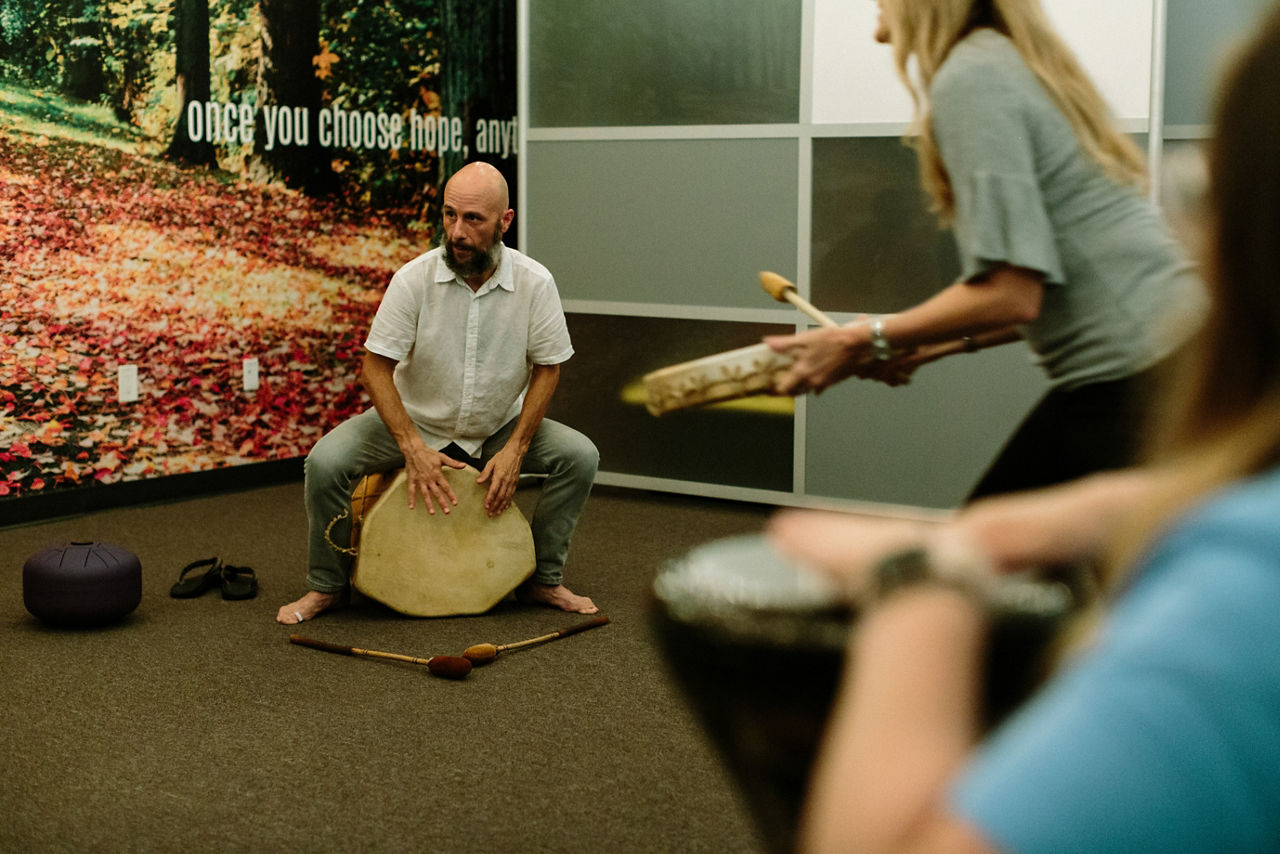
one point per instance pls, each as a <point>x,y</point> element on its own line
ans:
<point>441,564</point>
<point>730,375</point>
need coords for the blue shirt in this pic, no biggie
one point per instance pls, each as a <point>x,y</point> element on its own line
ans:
<point>1165,736</point>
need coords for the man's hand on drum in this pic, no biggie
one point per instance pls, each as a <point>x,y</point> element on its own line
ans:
<point>424,469</point>
<point>822,357</point>
<point>503,474</point>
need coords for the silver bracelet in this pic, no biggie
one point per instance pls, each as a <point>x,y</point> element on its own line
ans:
<point>880,347</point>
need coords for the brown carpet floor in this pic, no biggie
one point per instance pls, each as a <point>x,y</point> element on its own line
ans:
<point>194,725</point>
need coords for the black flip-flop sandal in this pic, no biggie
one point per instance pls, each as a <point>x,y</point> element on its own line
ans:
<point>190,585</point>
<point>239,582</point>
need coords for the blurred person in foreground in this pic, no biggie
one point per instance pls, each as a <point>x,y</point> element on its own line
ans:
<point>1161,730</point>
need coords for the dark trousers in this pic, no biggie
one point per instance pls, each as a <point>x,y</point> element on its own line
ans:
<point>1074,432</point>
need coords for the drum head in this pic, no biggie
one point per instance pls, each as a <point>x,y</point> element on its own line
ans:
<point>742,589</point>
<point>432,565</point>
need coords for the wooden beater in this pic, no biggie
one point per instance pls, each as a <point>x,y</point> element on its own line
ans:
<point>783,291</point>
<point>483,653</point>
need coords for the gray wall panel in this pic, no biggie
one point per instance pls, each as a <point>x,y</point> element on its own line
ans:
<point>686,222</point>
<point>925,443</point>
<point>1199,39</point>
<point>663,62</point>
<point>875,246</point>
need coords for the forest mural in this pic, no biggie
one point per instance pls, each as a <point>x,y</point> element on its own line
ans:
<point>189,184</point>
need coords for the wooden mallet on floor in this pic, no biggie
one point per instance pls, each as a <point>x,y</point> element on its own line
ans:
<point>447,666</point>
<point>783,291</point>
<point>483,653</point>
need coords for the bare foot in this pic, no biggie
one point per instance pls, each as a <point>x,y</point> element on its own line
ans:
<point>555,596</point>
<point>308,607</point>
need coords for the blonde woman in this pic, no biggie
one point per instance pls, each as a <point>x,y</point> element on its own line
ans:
<point>1162,732</point>
<point>1058,244</point>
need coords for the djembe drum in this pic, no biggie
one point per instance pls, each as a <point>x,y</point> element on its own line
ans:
<point>757,645</point>
<point>438,564</point>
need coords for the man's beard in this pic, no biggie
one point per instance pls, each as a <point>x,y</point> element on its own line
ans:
<point>480,262</point>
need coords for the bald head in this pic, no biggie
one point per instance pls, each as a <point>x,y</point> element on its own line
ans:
<point>480,183</point>
<point>475,217</point>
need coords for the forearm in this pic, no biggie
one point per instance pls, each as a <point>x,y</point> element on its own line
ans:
<point>906,719</point>
<point>542,387</point>
<point>377,377</point>
<point>990,310</point>
<point>1054,526</point>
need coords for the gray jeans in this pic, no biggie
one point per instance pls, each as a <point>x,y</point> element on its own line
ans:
<point>362,445</point>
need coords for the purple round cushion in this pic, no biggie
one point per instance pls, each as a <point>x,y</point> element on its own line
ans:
<point>82,584</point>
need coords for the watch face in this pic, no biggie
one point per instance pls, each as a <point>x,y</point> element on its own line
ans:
<point>901,569</point>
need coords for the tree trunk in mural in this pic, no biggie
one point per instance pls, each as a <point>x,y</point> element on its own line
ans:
<point>286,148</point>
<point>477,76</point>
<point>191,67</point>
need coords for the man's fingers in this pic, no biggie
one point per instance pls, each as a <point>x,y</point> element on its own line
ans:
<point>425,491</point>
<point>433,492</point>
<point>443,495</point>
<point>496,503</point>
<point>452,463</point>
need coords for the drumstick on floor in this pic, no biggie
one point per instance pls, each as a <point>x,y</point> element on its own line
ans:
<point>483,653</point>
<point>447,666</point>
<point>783,291</point>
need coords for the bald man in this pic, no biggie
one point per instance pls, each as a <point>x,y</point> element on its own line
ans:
<point>461,362</point>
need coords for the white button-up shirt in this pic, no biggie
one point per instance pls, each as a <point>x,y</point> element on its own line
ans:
<point>465,357</point>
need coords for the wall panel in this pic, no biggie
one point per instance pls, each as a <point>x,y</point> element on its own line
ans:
<point>620,112</point>
<point>663,62</point>
<point>686,222</point>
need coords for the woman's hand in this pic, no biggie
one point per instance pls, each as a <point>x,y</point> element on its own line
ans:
<point>842,545</point>
<point>821,357</point>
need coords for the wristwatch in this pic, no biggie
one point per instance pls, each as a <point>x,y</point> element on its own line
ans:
<point>880,347</point>
<point>916,566</point>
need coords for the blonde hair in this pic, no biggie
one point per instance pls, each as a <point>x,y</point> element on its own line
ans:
<point>927,30</point>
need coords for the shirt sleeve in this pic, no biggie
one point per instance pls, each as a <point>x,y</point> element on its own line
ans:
<point>549,342</point>
<point>395,325</point>
<point>1162,738</point>
<point>981,120</point>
